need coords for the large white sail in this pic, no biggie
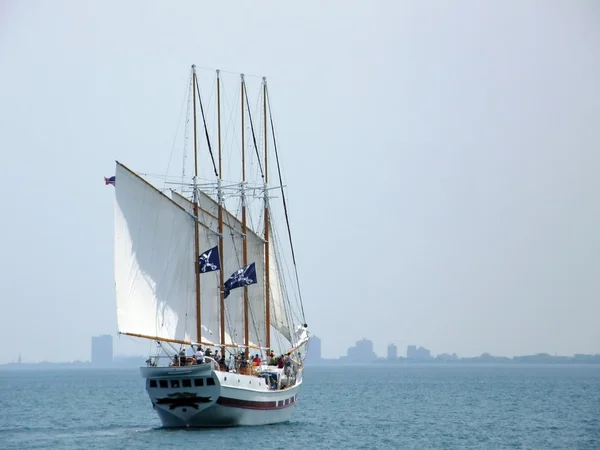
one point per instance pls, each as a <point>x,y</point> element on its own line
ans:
<point>232,261</point>
<point>209,281</point>
<point>154,255</point>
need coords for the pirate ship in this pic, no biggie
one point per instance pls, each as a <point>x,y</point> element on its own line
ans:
<point>199,267</point>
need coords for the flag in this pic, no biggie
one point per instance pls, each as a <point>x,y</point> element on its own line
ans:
<point>110,180</point>
<point>209,260</point>
<point>241,277</point>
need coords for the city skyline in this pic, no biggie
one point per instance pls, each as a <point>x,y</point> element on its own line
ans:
<point>102,353</point>
<point>362,353</point>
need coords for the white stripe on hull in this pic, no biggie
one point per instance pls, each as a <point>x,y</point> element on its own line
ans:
<point>199,397</point>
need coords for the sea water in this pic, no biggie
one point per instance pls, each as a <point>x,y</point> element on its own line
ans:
<point>377,406</point>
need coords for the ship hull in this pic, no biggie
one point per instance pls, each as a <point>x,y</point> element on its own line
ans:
<point>198,396</point>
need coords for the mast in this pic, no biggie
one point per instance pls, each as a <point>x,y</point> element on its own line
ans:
<point>266,210</point>
<point>220,218</point>
<point>244,228</point>
<point>196,239</point>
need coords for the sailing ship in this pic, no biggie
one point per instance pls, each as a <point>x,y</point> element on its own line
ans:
<point>208,288</point>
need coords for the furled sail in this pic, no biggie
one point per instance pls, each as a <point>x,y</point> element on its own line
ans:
<point>154,255</point>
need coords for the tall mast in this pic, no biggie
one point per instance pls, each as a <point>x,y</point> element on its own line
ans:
<point>244,227</point>
<point>266,208</point>
<point>220,217</point>
<point>196,240</point>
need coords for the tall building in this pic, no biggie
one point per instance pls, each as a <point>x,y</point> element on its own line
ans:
<point>102,349</point>
<point>362,352</point>
<point>421,353</point>
<point>313,355</point>
<point>392,352</point>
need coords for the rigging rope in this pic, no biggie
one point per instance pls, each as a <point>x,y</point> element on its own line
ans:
<point>206,129</point>
<point>262,174</point>
<point>287,220</point>
<point>185,137</point>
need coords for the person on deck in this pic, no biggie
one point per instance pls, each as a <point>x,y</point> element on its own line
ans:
<point>199,355</point>
<point>256,361</point>
<point>288,364</point>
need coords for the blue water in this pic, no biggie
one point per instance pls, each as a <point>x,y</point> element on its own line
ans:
<point>413,407</point>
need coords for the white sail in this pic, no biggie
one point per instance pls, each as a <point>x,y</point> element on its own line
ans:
<point>232,261</point>
<point>209,282</point>
<point>256,292</point>
<point>154,255</point>
<point>279,318</point>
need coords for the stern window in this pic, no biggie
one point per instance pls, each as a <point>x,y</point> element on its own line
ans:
<point>163,384</point>
<point>210,382</point>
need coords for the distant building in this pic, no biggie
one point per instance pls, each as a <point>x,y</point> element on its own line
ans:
<point>392,352</point>
<point>421,353</point>
<point>314,355</point>
<point>362,352</point>
<point>102,349</point>
<point>447,357</point>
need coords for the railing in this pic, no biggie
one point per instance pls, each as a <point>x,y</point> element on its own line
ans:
<point>215,364</point>
<point>237,365</point>
<point>175,361</point>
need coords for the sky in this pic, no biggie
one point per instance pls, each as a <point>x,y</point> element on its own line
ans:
<point>441,161</point>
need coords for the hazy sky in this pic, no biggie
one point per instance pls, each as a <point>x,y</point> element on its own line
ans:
<point>442,161</point>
